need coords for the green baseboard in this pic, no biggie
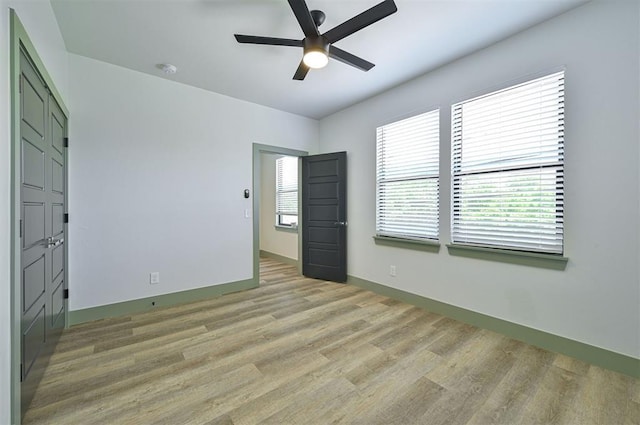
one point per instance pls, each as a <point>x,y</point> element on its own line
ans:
<point>126,308</point>
<point>579,350</point>
<point>281,258</point>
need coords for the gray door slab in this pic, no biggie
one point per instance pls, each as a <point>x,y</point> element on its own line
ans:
<point>42,205</point>
<point>324,213</point>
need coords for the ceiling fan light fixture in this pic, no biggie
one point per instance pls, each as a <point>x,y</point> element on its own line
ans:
<point>315,59</point>
<point>316,52</point>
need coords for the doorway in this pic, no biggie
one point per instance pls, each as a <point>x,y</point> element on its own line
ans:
<point>322,212</point>
<point>279,208</point>
<point>274,233</point>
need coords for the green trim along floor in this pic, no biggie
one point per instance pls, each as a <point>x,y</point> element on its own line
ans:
<point>126,308</point>
<point>585,352</point>
<point>278,257</point>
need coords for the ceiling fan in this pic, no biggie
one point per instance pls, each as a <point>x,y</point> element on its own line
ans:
<point>318,48</point>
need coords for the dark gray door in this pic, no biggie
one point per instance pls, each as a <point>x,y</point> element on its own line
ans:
<point>42,198</point>
<point>324,216</point>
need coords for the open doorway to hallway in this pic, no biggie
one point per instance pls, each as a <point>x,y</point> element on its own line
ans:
<point>278,206</point>
<point>276,225</point>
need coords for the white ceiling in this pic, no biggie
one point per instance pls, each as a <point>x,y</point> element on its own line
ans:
<point>197,37</point>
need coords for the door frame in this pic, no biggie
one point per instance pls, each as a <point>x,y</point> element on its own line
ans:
<point>20,40</point>
<point>258,150</point>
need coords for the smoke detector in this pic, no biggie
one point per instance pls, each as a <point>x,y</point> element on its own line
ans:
<point>167,68</point>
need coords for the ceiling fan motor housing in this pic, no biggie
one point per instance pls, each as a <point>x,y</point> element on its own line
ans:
<point>318,17</point>
<point>317,44</point>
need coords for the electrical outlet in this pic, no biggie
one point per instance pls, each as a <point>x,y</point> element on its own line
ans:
<point>154,277</point>
<point>392,271</point>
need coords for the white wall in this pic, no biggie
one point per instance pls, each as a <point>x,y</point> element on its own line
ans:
<point>279,242</point>
<point>157,175</point>
<point>596,300</point>
<point>39,21</point>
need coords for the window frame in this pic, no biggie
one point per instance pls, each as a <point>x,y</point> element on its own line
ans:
<point>504,251</point>
<point>428,242</point>
<point>279,223</point>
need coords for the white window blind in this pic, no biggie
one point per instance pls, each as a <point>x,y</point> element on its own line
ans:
<point>286,190</point>
<point>508,167</point>
<point>407,177</point>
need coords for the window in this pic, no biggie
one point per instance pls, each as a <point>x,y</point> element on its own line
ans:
<point>407,179</point>
<point>287,191</point>
<point>508,165</point>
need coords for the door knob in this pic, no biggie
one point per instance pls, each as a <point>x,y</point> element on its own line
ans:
<point>340,223</point>
<point>51,241</point>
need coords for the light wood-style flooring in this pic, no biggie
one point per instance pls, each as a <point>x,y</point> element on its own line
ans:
<point>303,351</point>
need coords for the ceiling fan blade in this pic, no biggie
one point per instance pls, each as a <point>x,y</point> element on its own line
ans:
<point>366,18</point>
<point>301,11</point>
<point>349,59</point>
<point>301,72</point>
<point>271,41</point>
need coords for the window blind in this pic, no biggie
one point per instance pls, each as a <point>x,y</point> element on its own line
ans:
<point>508,167</point>
<point>407,177</point>
<point>287,186</point>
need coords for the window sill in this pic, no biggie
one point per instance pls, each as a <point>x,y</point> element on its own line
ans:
<point>420,245</point>
<point>532,259</point>
<point>288,229</point>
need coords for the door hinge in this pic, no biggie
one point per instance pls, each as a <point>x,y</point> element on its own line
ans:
<point>20,227</point>
<point>65,294</point>
<point>66,142</point>
<point>20,84</point>
<point>65,218</point>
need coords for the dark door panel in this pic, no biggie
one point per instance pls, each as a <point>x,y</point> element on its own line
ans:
<point>42,202</point>
<point>324,216</point>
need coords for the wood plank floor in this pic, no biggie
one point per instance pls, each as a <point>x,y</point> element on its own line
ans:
<point>303,351</point>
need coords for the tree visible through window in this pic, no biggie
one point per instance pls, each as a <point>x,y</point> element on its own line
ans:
<point>287,191</point>
<point>508,167</point>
